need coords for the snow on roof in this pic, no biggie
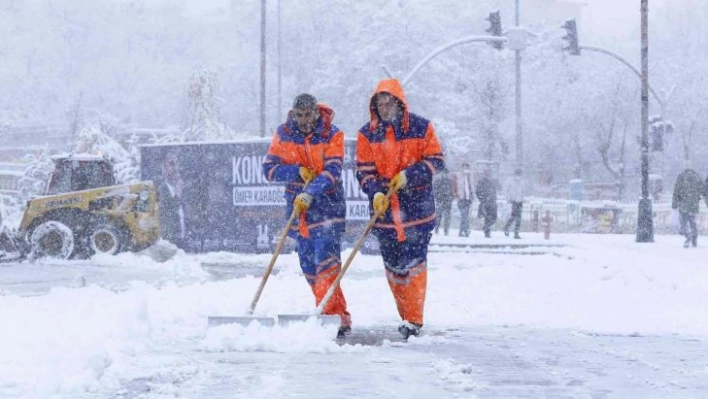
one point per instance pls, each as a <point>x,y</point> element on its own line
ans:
<point>237,141</point>
<point>245,140</point>
<point>78,157</point>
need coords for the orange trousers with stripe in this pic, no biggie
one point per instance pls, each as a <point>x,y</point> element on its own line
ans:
<point>320,262</point>
<point>407,272</point>
<point>409,293</point>
<point>337,304</point>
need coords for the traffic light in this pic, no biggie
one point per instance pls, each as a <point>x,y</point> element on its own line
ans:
<point>657,137</point>
<point>658,128</point>
<point>495,28</point>
<point>571,36</point>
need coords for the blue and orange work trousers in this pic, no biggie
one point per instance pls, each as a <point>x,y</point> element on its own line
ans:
<point>407,271</point>
<point>320,260</point>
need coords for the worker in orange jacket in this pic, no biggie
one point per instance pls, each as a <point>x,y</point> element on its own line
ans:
<point>307,153</point>
<point>399,151</point>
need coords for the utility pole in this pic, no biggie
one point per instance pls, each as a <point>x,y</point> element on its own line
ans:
<point>645,224</point>
<point>263,66</point>
<point>519,142</point>
<point>280,72</point>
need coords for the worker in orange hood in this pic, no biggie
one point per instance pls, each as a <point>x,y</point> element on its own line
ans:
<point>307,153</point>
<point>399,151</point>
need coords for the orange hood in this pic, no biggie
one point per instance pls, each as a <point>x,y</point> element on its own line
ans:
<point>393,87</point>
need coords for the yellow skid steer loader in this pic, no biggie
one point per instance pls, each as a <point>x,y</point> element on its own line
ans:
<point>84,212</point>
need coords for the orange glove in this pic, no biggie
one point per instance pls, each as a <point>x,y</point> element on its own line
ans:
<point>380,203</point>
<point>302,203</point>
<point>307,175</point>
<point>399,181</point>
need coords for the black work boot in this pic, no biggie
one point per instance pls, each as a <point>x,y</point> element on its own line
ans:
<point>407,329</point>
<point>343,331</point>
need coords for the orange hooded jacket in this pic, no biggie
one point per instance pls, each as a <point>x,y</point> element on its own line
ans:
<point>322,151</point>
<point>386,148</point>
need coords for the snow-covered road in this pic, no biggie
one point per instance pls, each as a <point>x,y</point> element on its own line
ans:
<point>478,362</point>
<point>596,316</point>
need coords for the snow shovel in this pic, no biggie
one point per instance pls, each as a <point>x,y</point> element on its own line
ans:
<point>265,321</point>
<point>332,319</point>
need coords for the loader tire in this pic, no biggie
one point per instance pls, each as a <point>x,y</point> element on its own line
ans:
<point>105,239</point>
<point>52,239</point>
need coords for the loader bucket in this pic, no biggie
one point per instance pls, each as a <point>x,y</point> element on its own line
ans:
<point>9,250</point>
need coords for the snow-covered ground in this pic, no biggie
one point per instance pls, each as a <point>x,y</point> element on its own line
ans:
<point>600,316</point>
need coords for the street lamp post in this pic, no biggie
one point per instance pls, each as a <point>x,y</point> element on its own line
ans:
<point>263,66</point>
<point>517,63</point>
<point>280,69</point>
<point>645,224</point>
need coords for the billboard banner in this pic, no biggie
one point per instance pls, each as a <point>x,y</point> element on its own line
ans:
<point>213,196</point>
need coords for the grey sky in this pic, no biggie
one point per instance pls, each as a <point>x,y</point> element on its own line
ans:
<point>616,18</point>
<point>604,18</point>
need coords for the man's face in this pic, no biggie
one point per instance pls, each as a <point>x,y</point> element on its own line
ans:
<point>170,166</point>
<point>306,119</point>
<point>387,106</point>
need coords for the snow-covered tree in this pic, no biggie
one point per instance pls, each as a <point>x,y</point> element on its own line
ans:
<point>94,138</point>
<point>204,107</point>
<point>34,181</point>
<point>491,112</point>
<point>10,211</point>
<point>458,145</point>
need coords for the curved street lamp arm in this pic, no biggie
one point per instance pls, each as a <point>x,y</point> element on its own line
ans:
<point>387,71</point>
<point>445,47</point>
<point>629,65</point>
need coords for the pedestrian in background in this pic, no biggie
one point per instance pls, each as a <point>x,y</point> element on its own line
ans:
<point>442,188</point>
<point>463,192</point>
<point>514,189</point>
<point>486,191</point>
<point>687,197</point>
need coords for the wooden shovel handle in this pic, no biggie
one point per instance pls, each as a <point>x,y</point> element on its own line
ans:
<point>348,262</point>
<point>269,269</point>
